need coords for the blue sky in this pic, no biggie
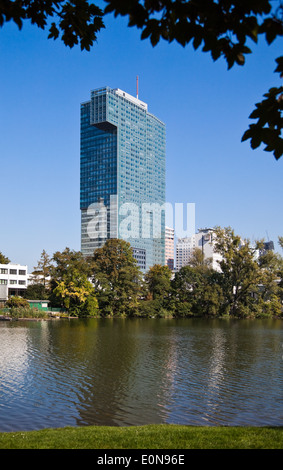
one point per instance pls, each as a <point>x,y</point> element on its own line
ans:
<point>205,108</point>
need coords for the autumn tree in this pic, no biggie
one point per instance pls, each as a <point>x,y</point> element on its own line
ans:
<point>39,288</point>
<point>66,262</point>
<point>196,291</point>
<point>270,295</point>
<point>42,271</point>
<point>158,281</point>
<point>247,285</point>
<point>156,292</point>
<point>77,295</point>
<point>70,283</point>
<point>240,271</point>
<point>198,259</point>
<point>116,278</point>
<point>17,302</point>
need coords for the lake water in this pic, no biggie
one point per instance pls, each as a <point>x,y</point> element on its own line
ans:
<point>138,371</point>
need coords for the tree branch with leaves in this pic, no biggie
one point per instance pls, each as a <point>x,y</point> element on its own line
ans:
<point>220,27</point>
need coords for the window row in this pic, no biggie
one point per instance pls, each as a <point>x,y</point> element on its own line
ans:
<point>22,272</point>
<point>12,281</point>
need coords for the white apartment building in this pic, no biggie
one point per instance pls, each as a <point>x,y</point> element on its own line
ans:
<point>184,248</point>
<point>204,240</point>
<point>169,247</point>
<point>13,280</point>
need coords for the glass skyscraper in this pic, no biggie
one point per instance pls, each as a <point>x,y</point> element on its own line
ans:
<point>122,186</point>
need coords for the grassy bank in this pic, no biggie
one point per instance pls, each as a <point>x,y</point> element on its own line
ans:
<point>146,437</point>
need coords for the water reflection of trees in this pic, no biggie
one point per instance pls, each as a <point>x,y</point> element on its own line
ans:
<point>126,373</point>
<point>139,371</point>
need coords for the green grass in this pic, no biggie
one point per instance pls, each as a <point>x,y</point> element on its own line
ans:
<point>146,437</point>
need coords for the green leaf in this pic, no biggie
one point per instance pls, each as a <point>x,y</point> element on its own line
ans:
<point>53,31</point>
<point>279,67</point>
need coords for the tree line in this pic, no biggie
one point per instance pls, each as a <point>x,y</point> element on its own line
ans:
<point>249,283</point>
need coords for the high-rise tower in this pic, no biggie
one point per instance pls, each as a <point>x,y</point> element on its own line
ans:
<point>122,175</point>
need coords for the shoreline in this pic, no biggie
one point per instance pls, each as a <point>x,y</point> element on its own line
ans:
<point>100,317</point>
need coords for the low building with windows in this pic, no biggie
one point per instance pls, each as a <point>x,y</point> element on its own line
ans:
<point>13,280</point>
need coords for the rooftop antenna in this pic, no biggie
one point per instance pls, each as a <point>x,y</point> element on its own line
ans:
<point>137,87</point>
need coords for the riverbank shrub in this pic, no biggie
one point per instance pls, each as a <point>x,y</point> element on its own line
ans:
<point>27,312</point>
<point>153,308</point>
<point>90,307</point>
<point>17,302</point>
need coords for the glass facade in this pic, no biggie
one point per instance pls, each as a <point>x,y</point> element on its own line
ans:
<point>122,175</point>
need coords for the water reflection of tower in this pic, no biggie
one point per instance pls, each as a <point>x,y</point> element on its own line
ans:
<point>215,377</point>
<point>130,374</point>
<point>171,371</point>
